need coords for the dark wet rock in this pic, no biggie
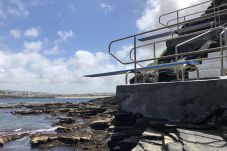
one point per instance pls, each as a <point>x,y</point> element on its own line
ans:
<point>28,112</point>
<point>141,122</point>
<point>110,111</point>
<point>62,129</point>
<point>122,128</point>
<point>116,148</point>
<point>69,140</point>
<point>85,139</point>
<point>120,116</point>
<point>66,120</point>
<point>125,119</point>
<point>64,110</point>
<point>100,124</point>
<point>8,138</point>
<point>128,143</point>
<point>133,132</point>
<point>40,140</point>
<point>95,110</point>
<point>116,137</point>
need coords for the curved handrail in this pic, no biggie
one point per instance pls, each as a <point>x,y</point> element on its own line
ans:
<point>219,13</point>
<point>183,54</point>
<point>176,11</point>
<point>183,36</point>
<point>189,40</point>
<point>213,8</point>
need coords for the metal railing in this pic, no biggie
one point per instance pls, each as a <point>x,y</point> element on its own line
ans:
<point>178,17</point>
<point>177,12</point>
<point>164,40</point>
<point>135,38</point>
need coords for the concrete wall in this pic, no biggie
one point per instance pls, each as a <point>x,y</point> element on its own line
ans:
<point>192,101</point>
<point>210,68</point>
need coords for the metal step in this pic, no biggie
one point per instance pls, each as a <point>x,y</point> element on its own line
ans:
<point>156,36</point>
<point>195,28</point>
<point>180,31</point>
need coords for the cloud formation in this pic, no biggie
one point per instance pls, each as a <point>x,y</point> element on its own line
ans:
<point>65,35</point>
<point>15,8</point>
<point>32,32</point>
<point>107,8</point>
<point>16,33</point>
<point>33,71</point>
<point>33,46</point>
<point>154,8</point>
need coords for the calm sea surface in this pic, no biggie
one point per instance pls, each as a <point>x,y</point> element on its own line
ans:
<point>16,123</point>
<point>44,100</point>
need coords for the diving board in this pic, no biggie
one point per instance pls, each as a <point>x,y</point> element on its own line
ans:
<point>178,65</point>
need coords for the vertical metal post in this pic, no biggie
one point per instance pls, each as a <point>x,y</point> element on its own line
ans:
<point>178,20</point>
<point>219,18</point>
<point>135,78</point>
<point>176,59</point>
<point>215,22</point>
<point>225,37</point>
<point>154,51</point>
<point>221,45</point>
<point>154,45</point>
<point>222,50</point>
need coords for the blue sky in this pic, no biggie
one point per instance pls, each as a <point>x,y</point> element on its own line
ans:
<point>93,23</point>
<point>48,45</point>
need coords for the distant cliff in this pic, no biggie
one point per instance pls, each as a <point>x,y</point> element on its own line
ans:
<point>24,94</point>
<point>4,94</point>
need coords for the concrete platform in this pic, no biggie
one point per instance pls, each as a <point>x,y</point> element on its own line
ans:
<point>190,101</point>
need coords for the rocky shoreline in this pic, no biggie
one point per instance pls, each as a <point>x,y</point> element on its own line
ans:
<point>80,125</point>
<point>99,125</point>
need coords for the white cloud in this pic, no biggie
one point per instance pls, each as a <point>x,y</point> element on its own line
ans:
<point>33,71</point>
<point>107,8</point>
<point>16,33</point>
<point>155,8</point>
<point>32,32</point>
<point>17,8</point>
<point>33,46</point>
<point>54,50</point>
<point>64,35</point>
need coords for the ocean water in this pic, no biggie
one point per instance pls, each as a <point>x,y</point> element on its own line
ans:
<point>43,100</point>
<point>32,124</point>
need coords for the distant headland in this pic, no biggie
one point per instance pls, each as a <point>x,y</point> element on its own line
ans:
<point>6,94</point>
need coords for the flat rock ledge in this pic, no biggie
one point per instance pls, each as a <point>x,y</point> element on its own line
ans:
<point>45,140</point>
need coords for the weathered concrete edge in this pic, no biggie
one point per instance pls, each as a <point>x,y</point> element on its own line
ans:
<point>190,101</point>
